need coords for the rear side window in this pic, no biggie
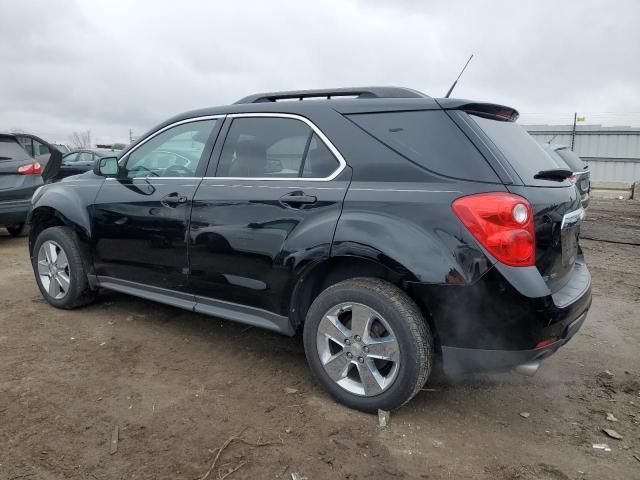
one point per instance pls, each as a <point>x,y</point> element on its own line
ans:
<point>271,147</point>
<point>430,139</point>
<point>524,154</point>
<point>11,150</point>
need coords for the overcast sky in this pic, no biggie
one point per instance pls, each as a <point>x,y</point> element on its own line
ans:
<point>113,65</point>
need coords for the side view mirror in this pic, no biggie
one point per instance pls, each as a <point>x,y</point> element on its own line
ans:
<point>106,166</point>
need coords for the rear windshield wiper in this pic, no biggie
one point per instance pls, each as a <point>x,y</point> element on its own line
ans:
<point>558,174</point>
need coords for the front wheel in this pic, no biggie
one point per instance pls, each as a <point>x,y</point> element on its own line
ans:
<point>59,269</point>
<point>368,344</point>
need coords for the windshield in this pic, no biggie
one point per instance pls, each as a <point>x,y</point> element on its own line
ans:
<point>524,154</point>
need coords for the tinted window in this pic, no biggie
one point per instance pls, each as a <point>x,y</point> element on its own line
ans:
<point>524,154</point>
<point>11,150</point>
<point>430,139</point>
<point>320,162</point>
<point>574,161</point>
<point>274,147</point>
<point>264,147</point>
<point>176,152</point>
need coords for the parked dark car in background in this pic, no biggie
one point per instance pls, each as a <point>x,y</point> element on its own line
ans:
<point>394,229</point>
<point>564,156</point>
<point>21,174</point>
<point>81,161</point>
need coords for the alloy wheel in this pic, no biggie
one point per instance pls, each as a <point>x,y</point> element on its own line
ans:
<point>358,349</point>
<point>53,269</point>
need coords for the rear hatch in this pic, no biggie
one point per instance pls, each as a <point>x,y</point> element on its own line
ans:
<point>13,184</point>
<point>553,197</point>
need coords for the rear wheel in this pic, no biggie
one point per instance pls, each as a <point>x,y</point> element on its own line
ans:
<point>15,230</point>
<point>368,344</point>
<point>59,269</point>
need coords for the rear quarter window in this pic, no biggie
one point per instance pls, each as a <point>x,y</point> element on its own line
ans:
<point>430,139</point>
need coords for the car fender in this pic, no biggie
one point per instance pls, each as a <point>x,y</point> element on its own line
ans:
<point>69,201</point>
<point>412,233</point>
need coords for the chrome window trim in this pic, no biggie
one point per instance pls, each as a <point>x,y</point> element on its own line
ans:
<point>171,125</point>
<point>341,161</point>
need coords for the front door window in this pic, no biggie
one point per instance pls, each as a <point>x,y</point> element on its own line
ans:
<point>176,152</point>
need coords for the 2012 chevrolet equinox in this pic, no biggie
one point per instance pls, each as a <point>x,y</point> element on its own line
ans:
<point>393,228</point>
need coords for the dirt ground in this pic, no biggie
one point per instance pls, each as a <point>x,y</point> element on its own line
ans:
<point>178,385</point>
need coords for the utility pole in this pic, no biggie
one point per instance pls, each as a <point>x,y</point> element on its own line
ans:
<point>130,136</point>
<point>573,132</point>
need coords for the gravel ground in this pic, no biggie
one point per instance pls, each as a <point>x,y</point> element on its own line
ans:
<point>176,386</point>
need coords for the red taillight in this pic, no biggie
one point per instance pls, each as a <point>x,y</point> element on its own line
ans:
<point>547,342</point>
<point>502,223</point>
<point>33,168</point>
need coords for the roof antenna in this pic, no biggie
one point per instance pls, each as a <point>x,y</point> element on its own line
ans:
<point>455,83</point>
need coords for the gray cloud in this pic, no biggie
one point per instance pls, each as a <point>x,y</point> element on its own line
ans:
<point>111,66</point>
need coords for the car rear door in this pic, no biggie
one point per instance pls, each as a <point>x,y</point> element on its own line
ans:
<point>266,210</point>
<point>141,218</point>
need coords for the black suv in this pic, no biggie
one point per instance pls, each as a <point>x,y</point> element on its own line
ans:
<point>394,229</point>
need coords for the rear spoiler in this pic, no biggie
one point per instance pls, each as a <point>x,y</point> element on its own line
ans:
<point>487,110</point>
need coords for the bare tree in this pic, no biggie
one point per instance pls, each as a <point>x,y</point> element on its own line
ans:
<point>80,139</point>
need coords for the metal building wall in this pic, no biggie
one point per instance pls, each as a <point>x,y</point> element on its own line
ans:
<point>613,153</point>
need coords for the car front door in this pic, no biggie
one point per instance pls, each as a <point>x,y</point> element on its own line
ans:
<point>264,211</point>
<point>140,218</point>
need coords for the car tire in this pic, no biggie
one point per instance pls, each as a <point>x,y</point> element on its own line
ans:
<point>15,230</point>
<point>364,381</point>
<point>58,258</point>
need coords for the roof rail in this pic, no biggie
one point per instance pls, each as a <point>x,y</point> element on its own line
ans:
<point>358,92</point>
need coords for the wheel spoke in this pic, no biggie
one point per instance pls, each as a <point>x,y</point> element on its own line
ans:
<point>46,282</point>
<point>63,280</point>
<point>54,288</point>
<point>43,267</point>
<point>61,261</point>
<point>360,320</point>
<point>372,381</point>
<point>385,348</point>
<point>332,328</point>
<point>337,366</point>
<point>52,254</point>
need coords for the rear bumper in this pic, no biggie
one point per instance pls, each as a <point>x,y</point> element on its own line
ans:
<point>500,321</point>
<point>466,360</point>
<point>14,211</point>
